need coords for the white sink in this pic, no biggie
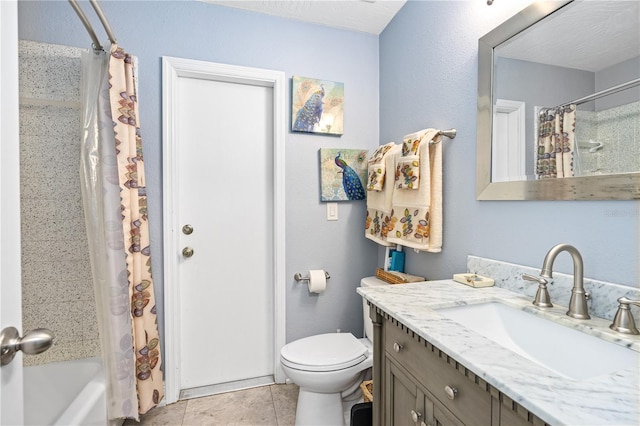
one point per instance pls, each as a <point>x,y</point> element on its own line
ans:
<point>568,352</point>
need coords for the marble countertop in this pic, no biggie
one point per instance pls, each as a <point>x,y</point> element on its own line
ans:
<point>610,399</point>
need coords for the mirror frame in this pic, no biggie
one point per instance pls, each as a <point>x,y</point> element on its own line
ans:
<point>622,186</point>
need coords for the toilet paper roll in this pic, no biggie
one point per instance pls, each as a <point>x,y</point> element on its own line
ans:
<point>317,281</point>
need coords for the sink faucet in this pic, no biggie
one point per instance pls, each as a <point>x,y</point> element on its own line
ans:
<point>578,302</point>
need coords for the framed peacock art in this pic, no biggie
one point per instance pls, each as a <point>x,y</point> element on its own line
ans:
<point>317,106</point>
<point>343,174</point>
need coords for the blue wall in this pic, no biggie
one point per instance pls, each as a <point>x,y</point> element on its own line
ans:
<point>614,75</point>
<point>195,30</point>
<point>428,78</point>
<point>421,72</point>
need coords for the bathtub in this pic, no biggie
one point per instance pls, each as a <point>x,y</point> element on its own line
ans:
<point>65,393</point>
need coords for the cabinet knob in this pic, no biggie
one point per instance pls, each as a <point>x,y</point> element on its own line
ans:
<point>187,252</point>
<point>415,416</point>
<point>451,392</point>
<point>397,347</point>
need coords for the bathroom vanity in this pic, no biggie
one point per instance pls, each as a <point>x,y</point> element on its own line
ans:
<point>432,368</point>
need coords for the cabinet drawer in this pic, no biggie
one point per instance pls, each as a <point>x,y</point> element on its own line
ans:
<point>471,404</point>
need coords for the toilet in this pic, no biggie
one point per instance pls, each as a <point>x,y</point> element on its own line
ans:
<point>329,368</point>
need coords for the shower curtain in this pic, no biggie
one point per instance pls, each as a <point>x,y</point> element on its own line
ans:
<point>556,142</point>
<point>114,199</point>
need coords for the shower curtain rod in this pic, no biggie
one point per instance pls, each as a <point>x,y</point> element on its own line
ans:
<point>87,24</point>
<point>610,91</point>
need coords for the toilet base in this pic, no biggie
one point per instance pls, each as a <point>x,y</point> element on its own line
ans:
<point>319,409</point>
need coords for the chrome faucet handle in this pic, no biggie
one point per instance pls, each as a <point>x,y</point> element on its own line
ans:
<point>542,298</point>
<point>623,322</point>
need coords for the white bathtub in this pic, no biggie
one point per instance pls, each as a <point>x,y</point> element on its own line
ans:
<point>65,393</point>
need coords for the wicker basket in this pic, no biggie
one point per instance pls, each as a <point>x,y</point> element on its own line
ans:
<point>367,390</point>
<point>390,278</point>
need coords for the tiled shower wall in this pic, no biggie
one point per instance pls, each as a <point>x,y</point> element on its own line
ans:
<point>57,289</point>
<point>618,129</point>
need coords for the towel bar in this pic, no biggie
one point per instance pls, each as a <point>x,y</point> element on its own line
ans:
<point>298,276</point>
<point>450,133</point>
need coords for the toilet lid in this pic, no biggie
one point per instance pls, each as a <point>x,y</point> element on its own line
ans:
<point>324,352</point>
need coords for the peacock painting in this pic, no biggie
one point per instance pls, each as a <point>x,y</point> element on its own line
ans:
<point>308,117</point>
<point>351,183</point>
<point>317,106</point>
<point>342,174</point>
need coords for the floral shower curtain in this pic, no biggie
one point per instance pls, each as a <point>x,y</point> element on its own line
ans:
<point>556,142</point>
<point>114,198</point>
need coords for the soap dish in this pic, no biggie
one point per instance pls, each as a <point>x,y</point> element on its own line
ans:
<point>473,280</point>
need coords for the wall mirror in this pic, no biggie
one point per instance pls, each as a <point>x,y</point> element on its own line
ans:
<point>566,67</point>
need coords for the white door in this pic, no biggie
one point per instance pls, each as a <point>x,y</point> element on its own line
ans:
<point>225,192</point>
<point>224,164</point>
<point>507,152</point>
<point>11,401</point>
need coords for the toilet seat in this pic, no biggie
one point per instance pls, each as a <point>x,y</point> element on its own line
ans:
<point>324,352</point>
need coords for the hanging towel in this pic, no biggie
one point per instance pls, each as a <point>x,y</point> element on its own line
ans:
<point>378,220</point>
<point>408,166</point>
<point>377,168</point>
<point>417,212</point>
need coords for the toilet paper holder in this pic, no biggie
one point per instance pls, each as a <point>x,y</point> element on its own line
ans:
<point>298,276</point>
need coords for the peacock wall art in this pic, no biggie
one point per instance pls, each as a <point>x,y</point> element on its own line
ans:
<point>343,174</point>
<point>316,106</point>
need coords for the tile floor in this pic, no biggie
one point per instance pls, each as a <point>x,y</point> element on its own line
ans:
<point>273,405</point>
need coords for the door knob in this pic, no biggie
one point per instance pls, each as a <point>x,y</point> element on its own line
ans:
<point>415,416</point>
<point>187,252</point>
<point>34,342</point>
<point>187,229</point>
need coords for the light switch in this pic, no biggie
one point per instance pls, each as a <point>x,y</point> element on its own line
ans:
<point>332,211</point>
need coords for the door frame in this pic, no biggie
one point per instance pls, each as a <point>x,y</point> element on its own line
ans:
<point>172,70</point>
<point>11,384</point>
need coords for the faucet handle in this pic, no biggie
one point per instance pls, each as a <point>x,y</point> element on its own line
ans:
<point>542,298</point>
<point>623,322</point>
<point>533,278</point>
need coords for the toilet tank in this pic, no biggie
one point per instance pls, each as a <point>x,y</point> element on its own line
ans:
<point>368,324</point>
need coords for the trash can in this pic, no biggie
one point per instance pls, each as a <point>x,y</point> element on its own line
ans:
<point>362,414</point>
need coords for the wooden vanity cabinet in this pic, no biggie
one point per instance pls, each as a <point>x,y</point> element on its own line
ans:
<point>410,403</point>
<point>415,383</point>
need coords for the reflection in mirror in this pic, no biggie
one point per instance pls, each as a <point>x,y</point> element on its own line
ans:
<point>559,97</point>
<point>599,138</point>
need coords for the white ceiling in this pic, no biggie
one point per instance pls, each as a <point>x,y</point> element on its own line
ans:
<point>594,35</point>
<point>589,27</point>
<point>369,16</point>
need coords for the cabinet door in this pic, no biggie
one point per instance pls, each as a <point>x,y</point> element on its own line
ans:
<point>403,405</point>
<point>435,413</point>
<point>443,417</point>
